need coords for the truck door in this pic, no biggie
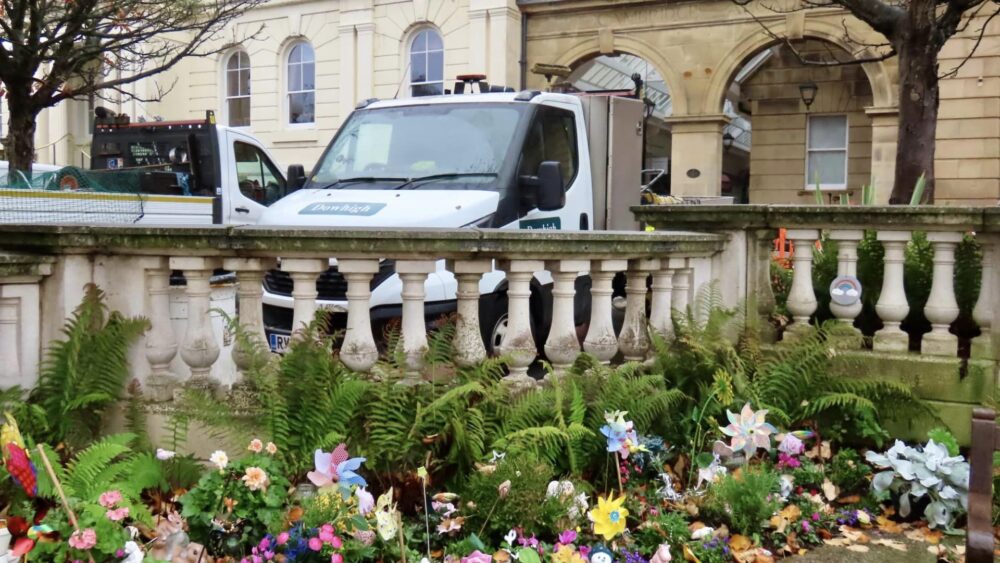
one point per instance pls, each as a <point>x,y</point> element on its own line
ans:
<point>251,181</point>
<point>554,136</point>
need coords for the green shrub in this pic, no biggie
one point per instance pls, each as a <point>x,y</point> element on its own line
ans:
<point>849,472</point>
<point>524,505</point>
<point>665,527</point>
<point>746,500</point>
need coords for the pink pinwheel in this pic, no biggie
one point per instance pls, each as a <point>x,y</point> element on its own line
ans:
<point>337,468</point>
<point>748,430</point>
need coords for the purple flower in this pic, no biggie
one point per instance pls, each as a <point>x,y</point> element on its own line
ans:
<point>567,537</point>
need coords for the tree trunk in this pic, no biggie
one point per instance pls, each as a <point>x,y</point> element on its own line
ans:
<point>918,107</point>
<point>21,139</point>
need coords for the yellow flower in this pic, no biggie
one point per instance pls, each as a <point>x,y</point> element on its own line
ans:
<point>609,517</point>
<point>566,554</point>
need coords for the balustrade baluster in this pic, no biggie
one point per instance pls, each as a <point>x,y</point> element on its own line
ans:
<point>847,265</point>
<point>10,354</point>
<point>660,317</point>
<point>358,351</point>
<point>199,349</point>
<point>942,307</point>
<point>982,345</point>
<point>601,341</point>
<point>563,344</point>
<point>801,298</point>
<point>304,272</point>
<point>634,338</point>
<point>467,347</point>
<point>892,306</point>
<point>413,273</point>
<point>680,296</point>
<point>518,343</point>
<point>161,343</point>
<point>249,292</point>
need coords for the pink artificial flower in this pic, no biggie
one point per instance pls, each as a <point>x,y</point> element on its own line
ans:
<point>366,537</point>
<point>477,557</point>
<point>315,544</point>
<point>336,558</point>
<point>256,446</point>
<point>109,499</point>
<point>584,550</point>
<point>366,502</point>
<point>791,445</point>
<point>118,514</point>
<point>567,537</point>
<point>282,538</point>
<point>326,536</point>
<point>337,543</point>
<point>785,460</point>
<point>84,539</point>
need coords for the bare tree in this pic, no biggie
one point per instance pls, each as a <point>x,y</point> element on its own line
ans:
<point>54,50</point>
<point>915,32</point>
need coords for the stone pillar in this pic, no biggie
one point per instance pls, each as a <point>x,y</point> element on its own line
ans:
<point>982,345</point>
<point>358,351</point>
<point>478,37</point>
<point>801,298</point>
<point>365,72</point>
<point>634,338</point>
<point>519,344</point>
<point>304,272</point>
<point>942,307</point>
<point>760,294</point>
<point>847,265</point>
<point>696,154</point>
<point>601,341</point>
<point>680,295</point>
<point>660,318</point>
<point>10,365</point>
<point>414,340</point>
<point>892,306</point>
<point>249,293</point>
<point>885,132</point>
<point>348,71</point>
<point>505,33</point>
<point>467,348</point>
<point>199,349</point>
<point>563,345</point>
<point>161,343</point>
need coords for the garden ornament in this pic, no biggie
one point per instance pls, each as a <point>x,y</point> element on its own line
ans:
<point>601,554</point>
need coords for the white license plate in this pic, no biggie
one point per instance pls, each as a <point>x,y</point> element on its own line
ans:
<point>278,342</point>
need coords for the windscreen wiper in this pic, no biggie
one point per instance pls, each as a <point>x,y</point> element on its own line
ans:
<point>360,180</point>
<point>412,182</point>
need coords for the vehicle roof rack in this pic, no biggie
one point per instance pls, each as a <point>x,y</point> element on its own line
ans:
<point>365,103</point>
<point>526,95</point>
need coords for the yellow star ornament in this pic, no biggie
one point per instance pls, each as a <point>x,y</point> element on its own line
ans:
<point>609,517</point>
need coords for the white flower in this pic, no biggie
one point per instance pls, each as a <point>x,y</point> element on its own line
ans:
<point>702,533</point>
<point>164,455</point>
<point>552,490</point>
<point>219,459</point>
<point>271,448</point>
<point>864,518</point>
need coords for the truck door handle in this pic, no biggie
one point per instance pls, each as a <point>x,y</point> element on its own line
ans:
<point>242,210</point>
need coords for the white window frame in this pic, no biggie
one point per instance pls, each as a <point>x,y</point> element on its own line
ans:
<point>287,106</point>
<point>427,54</point>
<point>225,86</point>
<point>810,183</point>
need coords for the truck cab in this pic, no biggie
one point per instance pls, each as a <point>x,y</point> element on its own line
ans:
<point>186,171</point>
<point>503,160</point>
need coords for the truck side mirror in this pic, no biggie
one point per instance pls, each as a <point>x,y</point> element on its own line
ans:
<point>296,177</point>
<point>551,195</point>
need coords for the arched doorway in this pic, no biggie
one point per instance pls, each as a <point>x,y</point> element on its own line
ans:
<point>623,73</point>
<point>811,135</point>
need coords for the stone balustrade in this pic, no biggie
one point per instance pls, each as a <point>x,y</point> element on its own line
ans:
<point>44,268</point>
<point>751,230</point>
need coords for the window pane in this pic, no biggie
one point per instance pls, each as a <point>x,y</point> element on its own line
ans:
<point>829,167</point>
<point>294,78</point>
<point>435,66</point>
<point>306,52</point>
<point>430,89</point>
<point>232,83</point>
<point>244,82</point>
<point>239,112</point>
<point>309,76</point>
<point>419,42</point>
<point>828,132</point>
<point>258,178</point>
<point>301,108</point>
<point>434,41</point>
<point>234,61</point>
<point>295,55</point>
<point>418,68</point>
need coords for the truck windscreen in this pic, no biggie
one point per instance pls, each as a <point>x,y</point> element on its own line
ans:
<point>434,146</point>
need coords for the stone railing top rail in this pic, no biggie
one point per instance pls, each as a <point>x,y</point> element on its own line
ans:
<point>886,217</point>
<point>292,242</point>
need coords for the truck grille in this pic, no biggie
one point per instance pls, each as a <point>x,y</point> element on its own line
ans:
<point>330,285</point>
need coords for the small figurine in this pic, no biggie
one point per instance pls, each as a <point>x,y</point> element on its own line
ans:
<point>601,554</point>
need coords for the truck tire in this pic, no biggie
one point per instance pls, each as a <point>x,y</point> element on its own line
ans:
<point>493,321</point>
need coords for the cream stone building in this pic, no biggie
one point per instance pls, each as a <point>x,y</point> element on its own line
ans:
<point>728,112</point>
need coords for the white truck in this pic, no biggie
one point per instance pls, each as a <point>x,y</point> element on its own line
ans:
<point>153,172</point>
<point>510,160</point>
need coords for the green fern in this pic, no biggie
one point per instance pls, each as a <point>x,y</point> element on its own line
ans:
<point>85,373</point>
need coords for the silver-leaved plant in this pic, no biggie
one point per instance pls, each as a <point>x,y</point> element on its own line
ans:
<point>916,472</point>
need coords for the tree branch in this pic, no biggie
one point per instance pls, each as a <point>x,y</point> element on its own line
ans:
<point>975,46</point>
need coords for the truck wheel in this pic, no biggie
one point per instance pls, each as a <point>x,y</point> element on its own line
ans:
<point>493,320</point>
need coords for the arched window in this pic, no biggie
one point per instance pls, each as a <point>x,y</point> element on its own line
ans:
<point>238,89</point>
<point>426,64</point>
<point>301,84</point>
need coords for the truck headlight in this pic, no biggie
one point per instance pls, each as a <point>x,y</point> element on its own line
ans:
<point>481,223</point>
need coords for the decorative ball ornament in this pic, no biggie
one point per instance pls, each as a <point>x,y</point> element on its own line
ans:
<point>845,291</point>
<point>601,554</point>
